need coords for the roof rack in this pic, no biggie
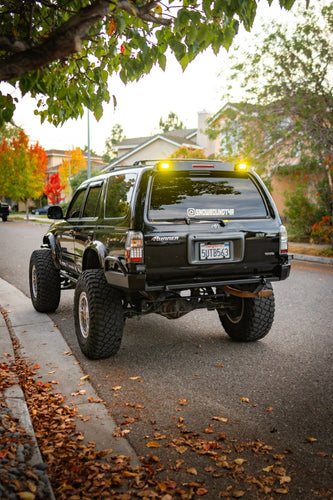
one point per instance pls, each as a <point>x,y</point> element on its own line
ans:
<point>120,167</point>
<point>146,163</point>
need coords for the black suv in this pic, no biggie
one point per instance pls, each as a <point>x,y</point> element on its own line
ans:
<point>163,237</point>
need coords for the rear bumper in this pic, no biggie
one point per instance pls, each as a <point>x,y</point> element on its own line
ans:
<point>284,271</point>
<point>137,282</point>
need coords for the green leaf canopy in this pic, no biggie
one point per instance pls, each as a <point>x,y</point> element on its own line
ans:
<point>63,51</point>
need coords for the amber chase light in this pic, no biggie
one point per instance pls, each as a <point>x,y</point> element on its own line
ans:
<point>242,167</point>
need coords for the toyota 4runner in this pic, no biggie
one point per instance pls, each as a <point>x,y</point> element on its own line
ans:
<point>163,237</point>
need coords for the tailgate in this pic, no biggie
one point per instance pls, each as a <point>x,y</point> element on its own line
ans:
<point>193,255</point>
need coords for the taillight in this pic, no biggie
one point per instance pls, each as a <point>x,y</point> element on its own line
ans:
<point>134,247</point>
<point>283,240</point>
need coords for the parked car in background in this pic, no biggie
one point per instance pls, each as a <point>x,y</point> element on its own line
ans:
<point>40,211</point>
<point>4,211</point>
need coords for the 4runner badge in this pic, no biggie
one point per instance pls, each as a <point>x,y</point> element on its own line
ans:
<point>165,238</point>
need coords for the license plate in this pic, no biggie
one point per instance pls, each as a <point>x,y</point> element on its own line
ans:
<point>215,252</point>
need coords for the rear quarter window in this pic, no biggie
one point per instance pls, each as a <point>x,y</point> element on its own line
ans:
<point>91,205</point>
<point>119,194</point>
<point>181,196</point>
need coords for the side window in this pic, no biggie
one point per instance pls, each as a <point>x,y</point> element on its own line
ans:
<point>120,189</point>
<point>75,206</point>
<point>91,205</point>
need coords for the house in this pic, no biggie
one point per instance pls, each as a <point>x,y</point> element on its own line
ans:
<point>55,159</point>
<point>57,156</point>
<point>273,156</point>
<point>162,145</point>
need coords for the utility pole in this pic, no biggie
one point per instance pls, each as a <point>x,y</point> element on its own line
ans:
<point>69,174</point>
<point>88,162</point>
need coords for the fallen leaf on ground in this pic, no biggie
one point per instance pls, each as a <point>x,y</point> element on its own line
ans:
<point>182,401</point>
<point>135,405</point>
<point>282,491</point>
<point>322,454</point>
<point>192,471</point>
<point>26,495</point>
<point>181,449</point>
<point>220,419</point>
<point>238,493</point>
<point>239,461</point>
<point>245,400</point>
<point>285,479</point>
<point>153,444</point>
<point>93,400</point>
<point>311,439</point>
<point>82,392</point>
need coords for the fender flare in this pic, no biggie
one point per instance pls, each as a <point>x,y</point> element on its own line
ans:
<point>99,250</point>
<point>49,241</point>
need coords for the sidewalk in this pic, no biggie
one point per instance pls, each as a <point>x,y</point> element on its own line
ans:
<point>41,343</point>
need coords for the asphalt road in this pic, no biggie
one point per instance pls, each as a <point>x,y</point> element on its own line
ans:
<point>175,375</point>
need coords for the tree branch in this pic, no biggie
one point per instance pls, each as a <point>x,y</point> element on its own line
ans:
<point>142,12</point>
<point>13,44</point>
<point>65,40</point>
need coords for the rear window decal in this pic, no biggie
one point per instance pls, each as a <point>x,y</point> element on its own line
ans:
<point>195,212</point>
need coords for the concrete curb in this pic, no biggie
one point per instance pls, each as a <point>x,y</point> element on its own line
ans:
<point>42,342</point>
<point>15,401</point>
<point>312,258</point>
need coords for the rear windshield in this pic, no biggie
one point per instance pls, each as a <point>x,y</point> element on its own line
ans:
<point>184,196</point>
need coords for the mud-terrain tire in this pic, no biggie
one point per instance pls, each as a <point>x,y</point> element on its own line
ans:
<point>98,315</point>
<point>4,218</point>
<point>251,319</point>
<point>44,281</point>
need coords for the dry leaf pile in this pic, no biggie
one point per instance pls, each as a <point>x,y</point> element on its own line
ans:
<point>207,464</point>
<point>18,479</point>
<point>79,471</point>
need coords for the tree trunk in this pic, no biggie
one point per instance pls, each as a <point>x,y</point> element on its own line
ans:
<point>26,210</point>
<point>330,183</point>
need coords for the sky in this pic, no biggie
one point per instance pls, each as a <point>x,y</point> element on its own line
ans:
<point>140,105</point>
